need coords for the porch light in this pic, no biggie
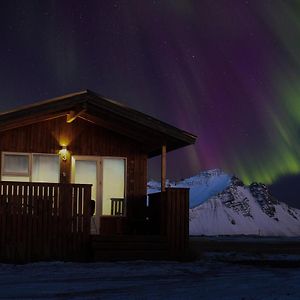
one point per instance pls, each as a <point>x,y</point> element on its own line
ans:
<point>63,153</point>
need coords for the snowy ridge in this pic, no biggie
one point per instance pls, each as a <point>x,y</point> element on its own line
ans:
<point>202,186</point>
<point>236,211</point>
<point>221,204</point>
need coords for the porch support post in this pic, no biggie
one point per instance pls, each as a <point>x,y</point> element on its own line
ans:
<point>163,167</point>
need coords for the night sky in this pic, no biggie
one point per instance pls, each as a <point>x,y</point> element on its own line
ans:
<point>227,71</point>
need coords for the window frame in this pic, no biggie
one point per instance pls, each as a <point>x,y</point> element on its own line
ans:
<point>16,174</point>
<point>99,160</point>
<point>125,182</point>
<point>44,154</point>
<point>30,162</point>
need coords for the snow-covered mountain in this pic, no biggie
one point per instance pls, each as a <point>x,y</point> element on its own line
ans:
<point>220,204</point>
<point>202,186</point>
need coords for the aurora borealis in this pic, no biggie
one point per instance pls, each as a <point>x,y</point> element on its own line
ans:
<point>225,70</point>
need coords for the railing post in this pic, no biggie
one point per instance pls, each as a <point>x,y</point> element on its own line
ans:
<point>86,211</point>
<point>66,219</point>
<point>163,167</point>
<point>176,214</point>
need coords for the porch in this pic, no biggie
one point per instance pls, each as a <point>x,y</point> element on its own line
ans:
<point>52,221</point>
<point>43,221</point>
<point>159,231</point>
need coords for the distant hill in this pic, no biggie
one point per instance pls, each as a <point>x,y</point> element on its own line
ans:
<point>220,204</point>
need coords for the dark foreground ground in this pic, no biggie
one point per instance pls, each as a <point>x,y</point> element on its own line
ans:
<point>215,276</point>
<point>247,268</point>
<point>245,244</point>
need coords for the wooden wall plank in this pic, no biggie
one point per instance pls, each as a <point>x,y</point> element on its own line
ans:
<point>174,221</point>
<point>82,138</point>
<point>46,229</point>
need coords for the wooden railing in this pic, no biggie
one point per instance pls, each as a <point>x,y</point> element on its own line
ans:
<point>168,214</point>
<point>44,221</point>
<point>117,206</point>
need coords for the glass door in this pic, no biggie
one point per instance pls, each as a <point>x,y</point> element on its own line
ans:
<point>113,186</point>
<point>85,170</point>
<point>107,176</point>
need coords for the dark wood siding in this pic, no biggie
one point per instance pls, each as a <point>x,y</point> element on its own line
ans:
<point>42,221</point>
<point>168,215</point>
<point>82,138</point>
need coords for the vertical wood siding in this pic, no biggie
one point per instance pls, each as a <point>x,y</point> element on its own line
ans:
<point>168,214</point>
<point>82,138</point>
<point>42,221</point>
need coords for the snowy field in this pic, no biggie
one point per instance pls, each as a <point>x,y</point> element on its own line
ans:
<point>203,279</point>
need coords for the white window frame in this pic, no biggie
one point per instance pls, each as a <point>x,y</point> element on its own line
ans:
<point>30,161</point>
<point>125,182</point>
<point>16,174</point>
<point>45,154</point>
<point>99,175</point>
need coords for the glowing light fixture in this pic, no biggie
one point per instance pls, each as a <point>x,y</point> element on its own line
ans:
<point>63,153</point>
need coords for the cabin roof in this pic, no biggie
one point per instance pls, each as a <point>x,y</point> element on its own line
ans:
<point>151,133</point>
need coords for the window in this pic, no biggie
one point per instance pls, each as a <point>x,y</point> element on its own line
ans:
<point>16,164</point>
<point>113,185</point>
<point>15,167</point>
<point>45,168</point>
<point>30,167</point>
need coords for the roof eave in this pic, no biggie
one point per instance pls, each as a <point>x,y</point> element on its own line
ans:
<point>174,138</point>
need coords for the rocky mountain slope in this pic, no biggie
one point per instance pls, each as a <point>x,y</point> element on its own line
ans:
<point>221,204</point>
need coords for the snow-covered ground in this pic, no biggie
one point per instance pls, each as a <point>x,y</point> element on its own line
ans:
<point>204,279</point>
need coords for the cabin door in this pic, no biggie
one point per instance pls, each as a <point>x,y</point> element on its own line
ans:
<point>107,176</point>
<point>85,170</point>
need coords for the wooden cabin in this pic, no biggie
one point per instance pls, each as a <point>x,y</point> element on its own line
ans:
<point>74,183</point>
